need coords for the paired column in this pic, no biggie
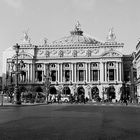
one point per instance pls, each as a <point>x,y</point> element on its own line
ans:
<point>72,67</point>
<point>28,79</point>
<point>105,71</point>
<point>89,72</point>
<point>59,76</point>
<point>61,72</point>
<point>44,69</point>
<point>75,74</point>
<point>121,71</point>
<point>101,71</point>
<point>117,71</point>
<point>86,72</point>
<point>33,72</point>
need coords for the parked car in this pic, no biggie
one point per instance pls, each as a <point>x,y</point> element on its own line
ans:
<point>65,98</point>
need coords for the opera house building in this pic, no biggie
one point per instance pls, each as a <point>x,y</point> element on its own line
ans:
<point>74,64</point>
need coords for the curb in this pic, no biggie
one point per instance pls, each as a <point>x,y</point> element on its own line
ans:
<point>67,104</point>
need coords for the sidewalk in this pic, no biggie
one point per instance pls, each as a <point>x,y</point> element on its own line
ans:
<point>116,104</point>
<point>23,104</point>
<point>89,103</point>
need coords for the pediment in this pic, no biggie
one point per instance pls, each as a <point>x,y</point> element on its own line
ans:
<point>23,56</point>
<point>112,54</point>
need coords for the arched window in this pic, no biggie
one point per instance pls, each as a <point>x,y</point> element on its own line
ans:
<point>53,65</point>
<point>94,65</point>
<point>66,65</point>
<point>81,65</point>
<point>111,64</point>
<point>39,66</point>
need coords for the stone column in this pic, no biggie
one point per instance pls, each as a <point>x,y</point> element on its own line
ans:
<point>117,71</point>
<point>75,70</point>
<point>33,72</point>
<point>57,75</point>
<point>61,69</point>
<point>28,73</point>
<point>86,73</point>
<point>58,72</point>
<point>72,72</point>
<point>121,72</point>
<point>98,75</point>
<point>101,72</point>
<point>42,72</point>
<point>31,75</point>
<point>44,69</point>
<point>105,71</point>
<point>28,79</point>
<point>89,72</point>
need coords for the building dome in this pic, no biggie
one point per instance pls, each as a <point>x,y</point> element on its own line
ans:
<point>76,37</point>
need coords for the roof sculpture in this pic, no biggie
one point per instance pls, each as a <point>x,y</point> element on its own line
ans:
<point>111,35</point>
<point>26,38</point>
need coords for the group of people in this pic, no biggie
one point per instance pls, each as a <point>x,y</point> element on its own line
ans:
<point>67,98</point>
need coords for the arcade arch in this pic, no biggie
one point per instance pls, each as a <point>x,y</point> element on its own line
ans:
<point>66,91</point>
<point>111,93</point>
<point>95,93</point>
<point>81,91</point>
<point>53,90</point>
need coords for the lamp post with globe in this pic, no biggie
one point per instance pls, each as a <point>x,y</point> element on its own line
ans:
<point>16,71</point>
<point>47,83</point>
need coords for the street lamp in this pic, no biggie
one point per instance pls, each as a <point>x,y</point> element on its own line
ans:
<point>1,98</point>
<point>17,96</point>
<point>47,84</point>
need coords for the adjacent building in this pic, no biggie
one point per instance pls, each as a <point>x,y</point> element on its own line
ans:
<point>137,66</point>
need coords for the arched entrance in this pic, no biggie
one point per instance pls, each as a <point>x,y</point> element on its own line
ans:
<point>39,94</point>
<point>66,91</point>
<point>81,94</point>
<point>53,90</point>
<point>22,89</point>
<point>39,89</point>
<point>111,93</point>
<point>95,93</point>
<point>81,91</point>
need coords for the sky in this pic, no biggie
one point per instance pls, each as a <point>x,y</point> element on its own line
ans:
<point>54,19</point>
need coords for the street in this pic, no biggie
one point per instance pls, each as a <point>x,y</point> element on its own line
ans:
<point>69,122</point>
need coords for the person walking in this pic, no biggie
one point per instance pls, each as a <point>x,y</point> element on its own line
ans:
<point>125,101</point>
<point>59,98</point>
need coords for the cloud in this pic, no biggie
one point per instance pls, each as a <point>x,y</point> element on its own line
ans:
<point>16,4</point>
<point>86,5</point>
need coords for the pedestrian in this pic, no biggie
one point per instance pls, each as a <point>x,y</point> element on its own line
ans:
<point>125,101</point>
<point>71,98</point>
<point>59,98</point>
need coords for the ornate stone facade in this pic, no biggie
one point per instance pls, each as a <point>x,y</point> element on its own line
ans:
<point>76,63</point>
